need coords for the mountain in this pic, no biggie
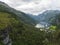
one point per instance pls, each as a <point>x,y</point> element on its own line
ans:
<point>23,17</point>
<point>47,15</point>
<point>17,28</point>
<point>14,32</point>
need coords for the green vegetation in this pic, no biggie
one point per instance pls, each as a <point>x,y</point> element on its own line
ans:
<point>20,33</point>
<point>21,29</point>
<point>55,40</point>
<point>4,20</point>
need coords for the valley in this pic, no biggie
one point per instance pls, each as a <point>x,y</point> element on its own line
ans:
<point>19,28</point>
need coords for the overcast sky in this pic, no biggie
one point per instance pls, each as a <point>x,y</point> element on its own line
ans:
<point>33,6</point>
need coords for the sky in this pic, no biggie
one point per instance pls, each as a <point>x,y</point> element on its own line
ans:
<point>34,7</point>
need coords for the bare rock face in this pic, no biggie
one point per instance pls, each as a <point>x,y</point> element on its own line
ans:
<point>5,39</point>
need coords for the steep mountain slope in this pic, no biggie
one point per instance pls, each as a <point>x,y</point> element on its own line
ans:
<point>15,31</point>
<point>18,32</point>
<point>23,17</point>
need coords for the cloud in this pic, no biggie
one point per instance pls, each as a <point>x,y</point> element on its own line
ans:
<point>33,6</point>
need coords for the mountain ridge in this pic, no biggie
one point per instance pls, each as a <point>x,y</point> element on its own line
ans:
<point>17,28</point>
<point>24,17</point>
<point>46,15</point>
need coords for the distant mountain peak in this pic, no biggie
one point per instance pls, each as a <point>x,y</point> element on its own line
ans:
<point>46,15</point>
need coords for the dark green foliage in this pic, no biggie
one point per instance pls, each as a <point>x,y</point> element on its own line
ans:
<point>56,35</point>
<point>20,33</point>
<point>21,28</point>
